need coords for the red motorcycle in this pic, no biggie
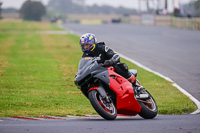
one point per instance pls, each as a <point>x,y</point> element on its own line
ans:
<point>110,93</point>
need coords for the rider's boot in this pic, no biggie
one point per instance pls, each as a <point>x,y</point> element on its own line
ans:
<point>132,79</point>
<point>135,82</point>
<point>140,90</point>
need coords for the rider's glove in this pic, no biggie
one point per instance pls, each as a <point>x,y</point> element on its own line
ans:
<point>108,63</point>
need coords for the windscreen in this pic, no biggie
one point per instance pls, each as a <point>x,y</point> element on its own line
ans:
<point>84,63</point>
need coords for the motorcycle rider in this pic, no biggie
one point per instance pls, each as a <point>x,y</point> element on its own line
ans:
<point>91,48</point>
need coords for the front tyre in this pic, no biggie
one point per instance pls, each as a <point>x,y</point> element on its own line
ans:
<point>149,108</point>
<point>106,110</point>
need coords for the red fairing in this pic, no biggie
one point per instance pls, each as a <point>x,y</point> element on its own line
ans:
<point>111,68</point>
<point>126,102</point>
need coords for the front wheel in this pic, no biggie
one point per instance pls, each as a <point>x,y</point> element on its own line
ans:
<point>149,108</point>
<point>107,110</point>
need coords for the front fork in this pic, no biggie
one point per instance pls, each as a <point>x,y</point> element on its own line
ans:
<point>102,92</point>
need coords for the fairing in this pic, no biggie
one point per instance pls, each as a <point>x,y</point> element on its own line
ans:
<point>126,102</point>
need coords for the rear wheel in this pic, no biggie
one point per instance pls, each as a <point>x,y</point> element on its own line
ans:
<point>105,109</point>
<point>149,108</point>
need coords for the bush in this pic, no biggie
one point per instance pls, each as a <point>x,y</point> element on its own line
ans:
<point>32,10</point>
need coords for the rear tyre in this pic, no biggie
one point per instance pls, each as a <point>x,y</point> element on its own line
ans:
<point>149,108</point>
<point>106,110</point>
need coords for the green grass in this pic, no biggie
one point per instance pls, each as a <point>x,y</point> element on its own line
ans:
<point>34,83</point>
<point>37,78</point>
<point>7,25</point>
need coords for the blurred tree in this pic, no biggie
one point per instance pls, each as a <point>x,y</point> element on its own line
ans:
<point>78,6</point>
<point>9,10</point>
<point>197,7</point>
<point>0,9</point>
<point>177,12</point>
<point>32,10</point>
<point>194,7</point>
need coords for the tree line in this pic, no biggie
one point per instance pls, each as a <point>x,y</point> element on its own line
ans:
<point>34,10</point>
<point>78,6</point>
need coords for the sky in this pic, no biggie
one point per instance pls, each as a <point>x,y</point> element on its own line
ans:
<point>114,3</point>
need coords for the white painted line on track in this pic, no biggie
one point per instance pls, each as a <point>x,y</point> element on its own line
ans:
<point>159,74</point>
<point>168,79</point>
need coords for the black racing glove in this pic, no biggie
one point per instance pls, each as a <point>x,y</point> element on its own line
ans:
<point>108,63</point>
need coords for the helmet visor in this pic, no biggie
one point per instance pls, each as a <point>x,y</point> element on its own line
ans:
<point>85,47</point>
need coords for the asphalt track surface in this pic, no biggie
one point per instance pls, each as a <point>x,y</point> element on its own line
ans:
<point>175,53</point>
<point>161,124</point>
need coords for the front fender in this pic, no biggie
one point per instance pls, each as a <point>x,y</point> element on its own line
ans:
<point>93,88</point>
<point>100,89</point>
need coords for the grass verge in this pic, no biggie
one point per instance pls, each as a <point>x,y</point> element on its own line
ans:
<point>37,73</point>
<point>19,25</point>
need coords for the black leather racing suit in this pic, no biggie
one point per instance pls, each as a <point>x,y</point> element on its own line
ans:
<point>107,55</point>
